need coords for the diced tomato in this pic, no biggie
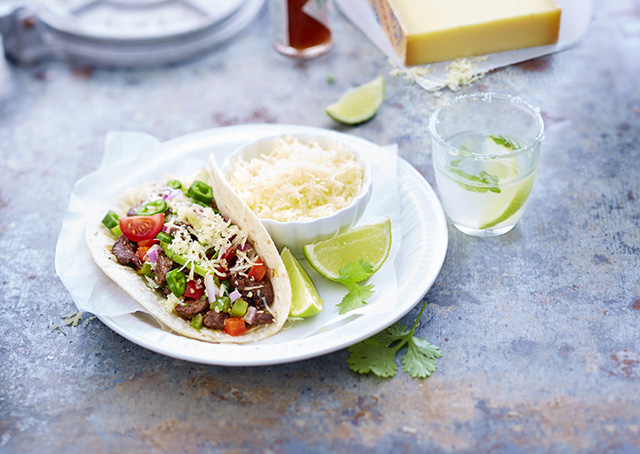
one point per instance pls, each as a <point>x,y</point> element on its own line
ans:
<point>140,228</point>
<point>258,270</point>
<point>142,253</point>
<point>148,243</point>
<point>234,326</point>
<point>223,269</point>
<point>222,273</point>
<point>194,290</point>
<point>228,254</point>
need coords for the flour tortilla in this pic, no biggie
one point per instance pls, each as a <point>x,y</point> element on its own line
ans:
<point>233,208</point>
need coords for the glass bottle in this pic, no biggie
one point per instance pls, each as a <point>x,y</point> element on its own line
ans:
<point>302,28</point>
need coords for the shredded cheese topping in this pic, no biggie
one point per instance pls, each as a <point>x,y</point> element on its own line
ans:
<point>298,181</point>
<point>202,235</point>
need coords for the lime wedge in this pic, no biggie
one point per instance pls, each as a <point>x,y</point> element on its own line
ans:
<point>358,104</point>
<point>305,299</point>
<point>370,242</point>
<point>515,204</point>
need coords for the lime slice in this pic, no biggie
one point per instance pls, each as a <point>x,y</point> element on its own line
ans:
<point>358,104</point>
<point>370,242</point>
<point>505,169</point>
<point>515,204</point>
<point>305,299</point>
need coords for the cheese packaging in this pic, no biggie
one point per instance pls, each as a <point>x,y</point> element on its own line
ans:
<point>426,31</point>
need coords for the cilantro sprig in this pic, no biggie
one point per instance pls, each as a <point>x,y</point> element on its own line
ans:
<point>505,142</point>
<point>349,275</point>
<point>377,353</point>
<point>484,178</point>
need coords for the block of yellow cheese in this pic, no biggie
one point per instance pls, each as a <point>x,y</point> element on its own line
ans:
<point>425,31</point>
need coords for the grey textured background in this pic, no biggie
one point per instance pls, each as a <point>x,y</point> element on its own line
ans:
<point>540,328</point>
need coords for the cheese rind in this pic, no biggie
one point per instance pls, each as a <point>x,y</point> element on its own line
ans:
<point>426,31</point>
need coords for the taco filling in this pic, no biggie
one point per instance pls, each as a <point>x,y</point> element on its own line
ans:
<point>204,268</point>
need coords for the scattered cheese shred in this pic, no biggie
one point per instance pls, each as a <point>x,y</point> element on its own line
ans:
<point>213,233</point>
<point>458,74</point>
<point>73,318</point>
<point>461,72</point>
<point>298,181</point>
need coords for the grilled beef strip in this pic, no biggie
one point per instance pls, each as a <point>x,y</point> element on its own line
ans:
<point>262,318</point>
<point>192,308</point>
<point>163,266</point>
<point>215,320</point>
<point>258,294</point>
<point>126,252</point>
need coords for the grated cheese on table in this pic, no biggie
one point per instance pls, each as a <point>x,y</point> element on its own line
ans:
<point>298,181</point>
<point>460,73</point>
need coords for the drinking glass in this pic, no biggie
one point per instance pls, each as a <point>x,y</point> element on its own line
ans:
<point>486,149</point>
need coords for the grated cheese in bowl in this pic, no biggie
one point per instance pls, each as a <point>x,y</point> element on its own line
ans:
<point>298,181</point>
<point>303,188</point>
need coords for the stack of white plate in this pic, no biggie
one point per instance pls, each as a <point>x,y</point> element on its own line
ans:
<point>123,33</point>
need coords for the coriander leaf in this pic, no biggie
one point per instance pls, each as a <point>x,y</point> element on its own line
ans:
<point>377,354</point>
<point>393,333</point>
<point>419,360</point>
<point>355,271</point>
<point>357,296</point>
<point>483,177</point>
<point>349,275</point>
<point>505,142</point>
<point>369,356</point>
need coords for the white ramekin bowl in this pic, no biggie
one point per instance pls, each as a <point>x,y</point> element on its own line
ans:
<point>295,234</point>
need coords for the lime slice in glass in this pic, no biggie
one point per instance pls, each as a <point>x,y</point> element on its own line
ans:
<point>358,104</point>
<point>514,206</point>
<point>305,298</point>
<point>370,242</point>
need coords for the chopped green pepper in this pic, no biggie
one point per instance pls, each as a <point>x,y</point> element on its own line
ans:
<point>196,321</point>
<point>179,259</point>
<point>111,222</point>
<point>177,282</point>
<point>239,308</point>
<point>145,269</point>
<point>197,202</point>
<point>164,237</point>
<point>153,207</point>
<point>174,184</point>
<point>221,304</point>
<point>201,192</point>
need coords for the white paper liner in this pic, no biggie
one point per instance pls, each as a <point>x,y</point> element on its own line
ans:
<point>576,15</point>
<point>126,163</point>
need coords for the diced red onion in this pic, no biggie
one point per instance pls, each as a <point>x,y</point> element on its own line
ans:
<point>243,247</point>
<point>235,295</point>
<point>250,315</point>
<point>210,285</point>
<point>152,253</point>
<point>171,194</point>
<point>165,228</point>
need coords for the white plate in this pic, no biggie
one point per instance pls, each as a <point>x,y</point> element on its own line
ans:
<point>418,262</point>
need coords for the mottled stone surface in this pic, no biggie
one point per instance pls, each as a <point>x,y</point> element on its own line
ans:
<point>540,328</point>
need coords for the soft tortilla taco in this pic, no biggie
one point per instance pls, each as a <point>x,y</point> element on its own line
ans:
<point>196,258</point>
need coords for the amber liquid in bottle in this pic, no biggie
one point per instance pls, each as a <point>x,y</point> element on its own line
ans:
<point>301,35</point>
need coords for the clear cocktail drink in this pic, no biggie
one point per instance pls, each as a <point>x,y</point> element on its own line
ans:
<point>485,155</point>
